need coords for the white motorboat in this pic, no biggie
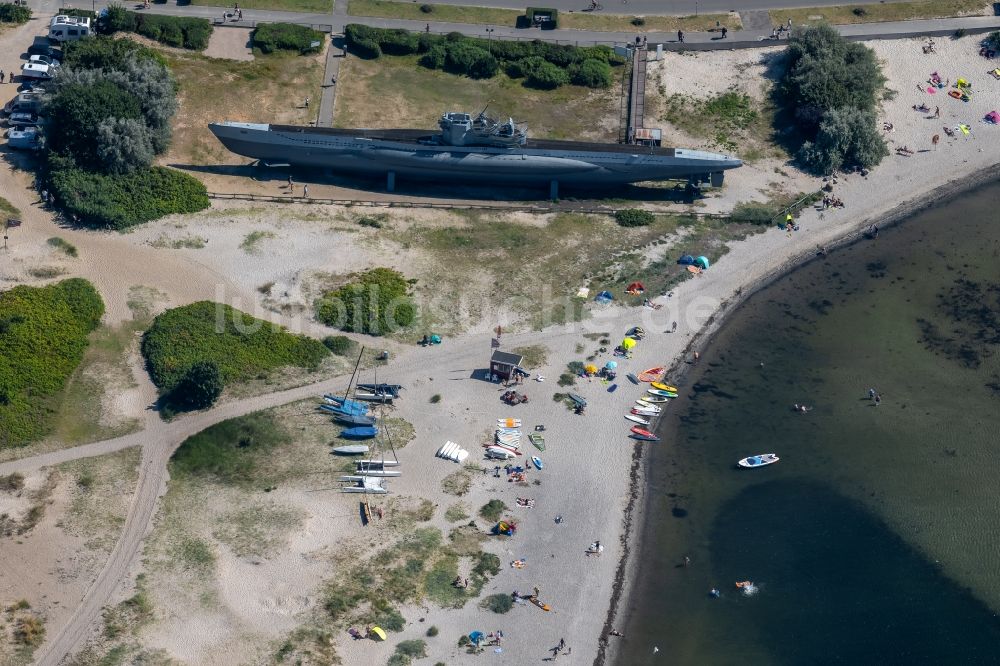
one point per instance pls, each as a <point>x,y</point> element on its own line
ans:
<point>761,460</point>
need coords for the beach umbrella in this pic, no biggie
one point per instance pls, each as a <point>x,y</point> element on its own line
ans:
<point>611,365</point>
<point>590,369</point>
<point>377,633</point>
<point>628,343</point>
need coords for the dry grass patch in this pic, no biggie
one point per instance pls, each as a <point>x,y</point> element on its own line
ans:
<point>100,491</point>
<point>873,13</point>
<point>268,89</point>
<point>397,92</point>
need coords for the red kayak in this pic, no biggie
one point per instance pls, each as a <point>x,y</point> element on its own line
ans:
<point>643,434</point>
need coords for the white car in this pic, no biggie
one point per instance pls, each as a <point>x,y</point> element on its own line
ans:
<point>45,60</point>
<point>36,70</point>
<point>23,139</point>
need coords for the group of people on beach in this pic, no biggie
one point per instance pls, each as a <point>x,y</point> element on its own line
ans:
<point>875,396</point>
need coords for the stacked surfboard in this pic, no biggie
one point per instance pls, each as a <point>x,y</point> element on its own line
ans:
<point>453,452</point>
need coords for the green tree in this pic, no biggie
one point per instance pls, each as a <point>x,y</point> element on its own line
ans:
<point>847,138</point>
<point>75,107</point>
<point>200,387</point>
<point>123,145</point>
<point>825,72</point>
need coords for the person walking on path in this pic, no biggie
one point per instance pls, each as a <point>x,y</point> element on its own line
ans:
<point>305,191</point>
<point>289,182</point>
<point>724,31</point>
<point>562,643</point>
<point>680,36</point>
<point>2,75</point>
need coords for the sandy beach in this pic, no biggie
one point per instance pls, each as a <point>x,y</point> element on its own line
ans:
<point>592,475</point>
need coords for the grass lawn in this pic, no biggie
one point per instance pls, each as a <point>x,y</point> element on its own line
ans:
<point>309,6</point>
<point>605,22</point>
<point>446,13</point>
<point>893,11</point>
<point>268,89</point>
<point>394,91</point>
<point>7,209</point>
<point>105,368</point>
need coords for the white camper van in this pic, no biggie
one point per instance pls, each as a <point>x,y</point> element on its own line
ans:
<point>69,28</point>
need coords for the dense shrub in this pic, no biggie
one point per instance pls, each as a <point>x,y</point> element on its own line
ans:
<point>43,334</point>
<point>271,37</point>
<point>591,73</point>
<point>546,77</point>
<point>375,303</point>
<point>341,345</point>
<point>847,138</point>
<point>106,54</point>
<point>199,388</point>
<point>11,13</point>
<point>399,42</point>
<point>498,603</point>
<point>753,212</point>
<point>121,201</point>
<point>634,217</point>
<point>117,19</point>
<point>180,31</point>
<point>481,58</point>
<point>992,41</point>
<point>435,57</point>
<point>82,13</point>
<point>241,346</point>
<point>361,40</point>
<point>468,59</point>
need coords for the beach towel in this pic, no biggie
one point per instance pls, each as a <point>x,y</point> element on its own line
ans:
<point>932,90</point>
<point>965,129</point>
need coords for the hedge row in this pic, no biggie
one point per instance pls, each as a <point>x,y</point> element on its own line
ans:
<point>11,13</point>
<point>480,58</point>
<point>271,37</point>
<point>179,31</point>
<point>43,335</point>
<point>122,201</point>
<point>241,346</point>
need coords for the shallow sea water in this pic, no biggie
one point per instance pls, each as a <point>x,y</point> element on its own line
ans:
<point>876,539</point>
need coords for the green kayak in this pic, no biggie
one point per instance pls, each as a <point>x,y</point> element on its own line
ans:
<point>537,440</point>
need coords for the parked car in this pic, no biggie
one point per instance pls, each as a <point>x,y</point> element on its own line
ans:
<point>36,70</point>
<point>24,139</point>
<point>30,102</point>
<point>41,46</point>
<point>22,119</point>
<point>44,59</point>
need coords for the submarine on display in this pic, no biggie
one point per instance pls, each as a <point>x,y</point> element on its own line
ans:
<point>476,150</point>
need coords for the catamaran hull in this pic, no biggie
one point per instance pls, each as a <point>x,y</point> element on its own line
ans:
<point>576,164</point>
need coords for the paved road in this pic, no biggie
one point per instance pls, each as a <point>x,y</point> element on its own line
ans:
<point>667,7</point>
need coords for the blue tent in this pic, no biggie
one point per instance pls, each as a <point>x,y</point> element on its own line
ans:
<point>686,260</point>
<point>604,297</point>
<point>701,261</point>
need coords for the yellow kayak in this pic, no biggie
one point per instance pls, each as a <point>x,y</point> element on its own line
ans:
<point>664,387</point>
